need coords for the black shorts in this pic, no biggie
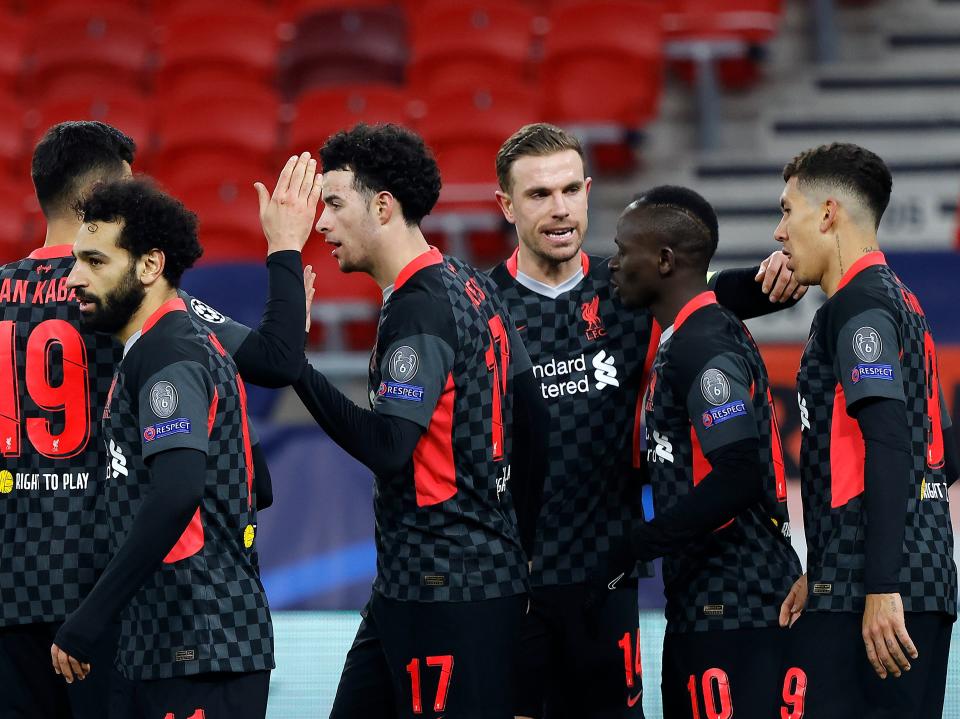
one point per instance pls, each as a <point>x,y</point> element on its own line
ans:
<point>734,673</point>
<point>572,667</point>
<point>431,659</point>
<point>30,687</point>
<point>827,664</point>
<point>221,695</point>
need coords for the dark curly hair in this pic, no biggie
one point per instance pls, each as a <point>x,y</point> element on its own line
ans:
<point>73,155</point>
<point>848,167</point>
<point>151,219</point>
<point>685,220</point>
<point>387,158</point>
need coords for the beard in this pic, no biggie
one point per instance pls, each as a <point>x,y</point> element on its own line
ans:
<point>114,311</point>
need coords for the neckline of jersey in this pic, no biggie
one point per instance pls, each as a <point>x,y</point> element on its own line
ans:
<point>52,252</point>
<point>173,305</point>
<point>704,299</point>
<point>870,259</point>
<point>424,259</point>
<point>512,263</point>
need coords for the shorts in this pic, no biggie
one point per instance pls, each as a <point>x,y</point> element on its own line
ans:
<point>431,659</point>
<point>31,689</point>
<point>732,673</point>
<point>576,666</point>
<point>215,695</point>
<point>827,669</point>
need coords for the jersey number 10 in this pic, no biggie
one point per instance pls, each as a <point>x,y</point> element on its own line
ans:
<point>71,396</point>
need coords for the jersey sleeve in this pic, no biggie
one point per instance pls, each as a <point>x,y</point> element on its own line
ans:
<point>231,334</point>
<point>867,357</point>
<point>174,406</point>
<point>719,403</point>
<point>414,368</point>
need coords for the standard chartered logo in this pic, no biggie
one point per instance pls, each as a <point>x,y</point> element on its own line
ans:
<point>561,378</point>
<point>606,370</point>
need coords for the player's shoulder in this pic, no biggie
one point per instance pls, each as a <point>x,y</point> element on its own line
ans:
<point>867,294</point>
<point>707,334</point>
<point>171,339</point>
<point>200,310</point>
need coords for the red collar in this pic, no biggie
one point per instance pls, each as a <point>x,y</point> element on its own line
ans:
<point>174,305</point>
<point>512,263</point>
<point>702,300</point>
<point>51,253</point>
<point>425,259</point>
<point>868,260</point>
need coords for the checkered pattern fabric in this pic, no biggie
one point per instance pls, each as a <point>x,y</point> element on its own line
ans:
<point>207,612</point>
<point>467,547</point>
<point>835,535</point>
<point>737,577</point>
<point>52,522</point>
<point>588,355</point>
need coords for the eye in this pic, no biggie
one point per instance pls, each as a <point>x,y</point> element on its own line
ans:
<point>94,262</point>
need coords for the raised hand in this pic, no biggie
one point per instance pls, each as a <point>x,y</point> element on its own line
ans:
<point>288,215</point>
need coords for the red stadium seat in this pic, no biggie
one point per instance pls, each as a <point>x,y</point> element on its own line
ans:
<point>49,8</point>
<point>19,217</point>
<point>321,113</point>
<point>12,140</point>
<point>225,125</point>
<point>80,47</point>
<point>229,221</point>
<point>730,29</point>
<point>131,113</point>
<point>292,9</point>
<point>603,63</point>
<point>225,43</point>
<point>345,47</point>
<point>453,44</point>
<point>13,50</point>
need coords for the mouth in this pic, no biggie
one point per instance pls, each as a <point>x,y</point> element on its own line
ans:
<point>559,235</point>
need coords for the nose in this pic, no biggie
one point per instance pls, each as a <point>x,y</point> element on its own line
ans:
<point>76,279</point>
<point>613,264</point>
<point>559,209</point>
<point>324,223</point>
<point>780,234</point>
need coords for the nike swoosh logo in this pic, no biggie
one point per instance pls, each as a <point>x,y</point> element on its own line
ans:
<point>633,700</point>
<point>613,584</point>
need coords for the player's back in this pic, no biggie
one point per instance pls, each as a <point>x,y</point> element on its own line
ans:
<point>448,532</point>
<point>737,576</point>
<point>53,373</point>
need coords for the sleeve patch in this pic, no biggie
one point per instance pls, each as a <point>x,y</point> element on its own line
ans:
<point>181,425</point>
<point>400,390</point>
<point>866,371</point>
<point>867,345</point>
<point>206,312</point>
<point>715,387</point>
<point>404,363</point>
<point>163,399</point>
<point>718,415</point>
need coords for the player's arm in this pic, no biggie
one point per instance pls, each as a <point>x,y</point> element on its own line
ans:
<point>177,467</point>
<point>755,291</point>
<point>867,364</point>
<point>531,447</point>
<point>415,369</point>
<point>951,461</point>
<point>262,482</point>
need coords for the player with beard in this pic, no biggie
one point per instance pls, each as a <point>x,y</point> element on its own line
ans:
<point>195,631</point>
<point>716,468</point>
<point>54,377</point>
<point>590,356</point>
<point>880,595</point>
<point>452,437</point>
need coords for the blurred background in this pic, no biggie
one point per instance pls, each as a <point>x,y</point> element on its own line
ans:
<point>714,94</point>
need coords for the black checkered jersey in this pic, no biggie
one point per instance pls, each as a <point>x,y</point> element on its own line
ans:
<point>709,389</point>
<point>589,354</point>
<point>445,358</point>
<point>871,339</point>
<point>53,373</point>
<point>204,610</point>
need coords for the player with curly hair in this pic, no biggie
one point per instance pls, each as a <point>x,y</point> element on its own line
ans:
<point>448,438</point>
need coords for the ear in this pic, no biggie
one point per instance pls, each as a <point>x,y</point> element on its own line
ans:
<point>587,184</point>
<point>666,262</point>
<point>831,212</point>
<point>384,205</point>
<point>506,206</point>
<point>151,266</point>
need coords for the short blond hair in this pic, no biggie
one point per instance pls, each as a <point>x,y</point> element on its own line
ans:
<point>536,140</point>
